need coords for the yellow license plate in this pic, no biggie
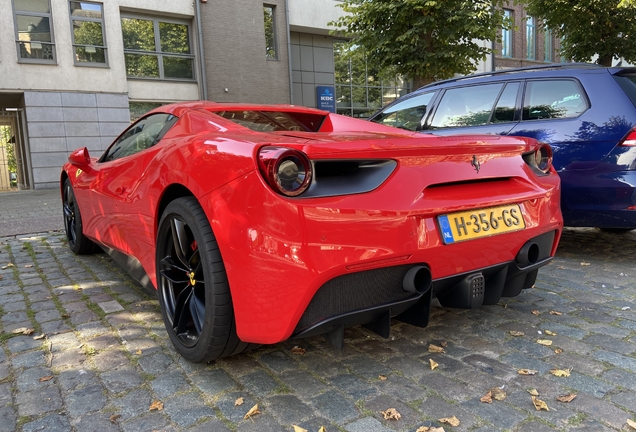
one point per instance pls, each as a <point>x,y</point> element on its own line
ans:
<point>469,225</point>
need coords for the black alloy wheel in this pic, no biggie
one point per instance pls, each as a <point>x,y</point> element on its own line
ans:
<point>192,286</point>
<point>77,241</point>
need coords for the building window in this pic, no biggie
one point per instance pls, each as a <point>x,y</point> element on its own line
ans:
<point>156,48</point>
<point>530,38</point>
<point>34,31</point>
<point>270,32</point>
<point>359,91</point>
<point>87,24</point>
<point>547,45</point>
<point>506,36</point>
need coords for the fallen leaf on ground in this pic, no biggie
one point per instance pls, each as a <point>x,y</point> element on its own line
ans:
<point>487,398</point>
<point>553,312</point>
<point>430,429</point>
<point>558,351</point>
<point>66,316</point>
<point>545,342</point>
<point>28,265</point>
<point>391,414</point>
<point>567,398</point>
<point>38,337</point>
<point>535,312</point>
<point>453,421</point>
<point>631,423</point>
<point>434,364</point>
<point>252,412</point>
<point>550,333</point>
<point>114,418</point>
<point>539,404</point>
<point>1,277</point>
<point>435,349</point>
<point>533,392</point>
<point>239,402</point>
<point>561,372</point>
<point>138,352</point>
<point>443,344</point>
<point>498,394</point>
<point>298,350</point>
<point>299,429</point>
<point>623,308</point>
<point>583,263</point>
<point>527,372</point>
<point>516,333</point>
<point>382,377</point>
<point>322,429</point>
<point>156,406</point>
<point>46,378</point>
<point>23,330</point>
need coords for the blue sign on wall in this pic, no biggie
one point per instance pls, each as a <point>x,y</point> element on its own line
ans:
<point>326,98</point>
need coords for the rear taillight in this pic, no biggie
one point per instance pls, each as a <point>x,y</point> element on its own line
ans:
<point>285,170</point>
<point>630,139</point>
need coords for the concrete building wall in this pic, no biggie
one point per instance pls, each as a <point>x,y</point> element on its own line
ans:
<point>60,122</point>
<point>313,16</point>
<point>237,69</point>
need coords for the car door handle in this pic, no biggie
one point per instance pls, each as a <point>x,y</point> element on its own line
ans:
<point>120,190</point>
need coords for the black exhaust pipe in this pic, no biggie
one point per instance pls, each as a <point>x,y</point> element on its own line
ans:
<point>528,254</point>
<point>418,280</point>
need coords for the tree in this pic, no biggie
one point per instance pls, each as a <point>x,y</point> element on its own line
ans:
<point>422,39</point>
<point>589,27</point>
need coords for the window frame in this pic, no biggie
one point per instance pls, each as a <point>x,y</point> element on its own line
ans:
<point>274,36</point>
<point>531,38</point>
<point>49,15</point>
<point>160,54</point>
<point>507,36</point>
<point>88,19</point>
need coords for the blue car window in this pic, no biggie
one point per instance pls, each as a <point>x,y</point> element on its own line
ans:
<point>553,99</point>
<point>466,106</point>
<point>407,114</point>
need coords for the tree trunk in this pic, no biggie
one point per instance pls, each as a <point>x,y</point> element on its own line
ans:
<point>605,60</point>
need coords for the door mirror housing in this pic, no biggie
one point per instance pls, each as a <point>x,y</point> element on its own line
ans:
<point>80,158</point>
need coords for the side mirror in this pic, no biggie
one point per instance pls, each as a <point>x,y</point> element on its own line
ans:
<point>80,157</point>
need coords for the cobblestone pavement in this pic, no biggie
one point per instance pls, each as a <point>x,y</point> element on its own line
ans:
<point>25,212</point>
<point>104,356</point>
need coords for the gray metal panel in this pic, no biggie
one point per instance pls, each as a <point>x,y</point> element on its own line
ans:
<point>112,100</point>
<point>308,77</point>
<point>42,99</point>
<point>44,114</point>
<point>324,78</point>
<point>323,59</point>
<point>86,114</point>
<point>306,58</point>
<point>298,94</point>
<point>42,130</point>
<point>79,100</point>
<point>49,159</point>
<point>40,145</point>
<point>295,57</point>
<point>82,129</point>
<point>113,114</point>
<point>309,95</point>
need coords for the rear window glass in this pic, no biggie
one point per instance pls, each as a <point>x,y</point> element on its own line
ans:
<point>407,114</point>
<point>628,84</point>
<point>272,121</point>
<point>553,99</point>
<point>466,106</point>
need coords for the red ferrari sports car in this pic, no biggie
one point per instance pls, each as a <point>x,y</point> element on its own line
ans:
<point>258,223</point>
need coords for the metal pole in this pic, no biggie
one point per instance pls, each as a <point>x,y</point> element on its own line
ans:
<point>289,54</point>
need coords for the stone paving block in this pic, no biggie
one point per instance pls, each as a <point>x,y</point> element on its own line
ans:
<point>111,306</point>
<point>582,364</point>
<point>84,317</point>
<point>610,344</point>
<point>39,401</point>
<point>14,317</point>
<point>111,360</point>
<point>354,387</point>
<point>288,409</point>
<point>235,413</point>
<point>366,424</point>
<point>261,423</point>
<point>5,394</point>
<point>151,421</point>
<point>119,319</point>
<point>303,383</point>
<point>135,402</point>
<point>608,330</point>
<point>170,384</point>
<point>85,400</point>
<point>277,361</point>
<point>618,360</point>
<point>530,348</point>
<point>43,305</point>
<point>48,423</point>
<point>92,329</point>
<point>259,383</point>
<point>523,361</point>
<point>626,399</point>
<point>213,381</point>
<point>76,378</point>
<point>335,407</point>
<point>97,422</point>
<point>317,364</point>
<point>447,387</point>
<point>186,410</point>
<point>103,342</point>
<point>28,359</point>
<point>69,359</point>
<point>16,306</point>
<point>53,327</point>
<point>500,415</point>
<point>560,413</point>
<point>155,364</point>
<point>64,341</point>
<point>409,417</point>
<point>47,315</point>
<point>238,365</point>
<point>213,424</point>
<point>4,370</point>
<point>434,408</point>
<point>8,419</point>
<point>599,410</point>
<point>22,343</point>
<point>120,380</point>
<point>620,378</point>
<point>366,367</point>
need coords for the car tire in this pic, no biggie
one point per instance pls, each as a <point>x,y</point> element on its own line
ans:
<point>192,285</point>
<point>77,241</point>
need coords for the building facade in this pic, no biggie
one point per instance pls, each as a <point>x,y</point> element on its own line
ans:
<point>75,73</point>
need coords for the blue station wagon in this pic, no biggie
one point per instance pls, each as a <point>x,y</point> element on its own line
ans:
<point>586,113</point>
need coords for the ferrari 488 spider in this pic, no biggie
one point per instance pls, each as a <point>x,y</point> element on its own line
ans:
<point>257,223</point>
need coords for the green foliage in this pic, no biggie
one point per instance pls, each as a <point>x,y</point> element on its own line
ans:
<point>589,27</point>
<point>270,38</point>
<point>421,39</point>
<point>9,148</point>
